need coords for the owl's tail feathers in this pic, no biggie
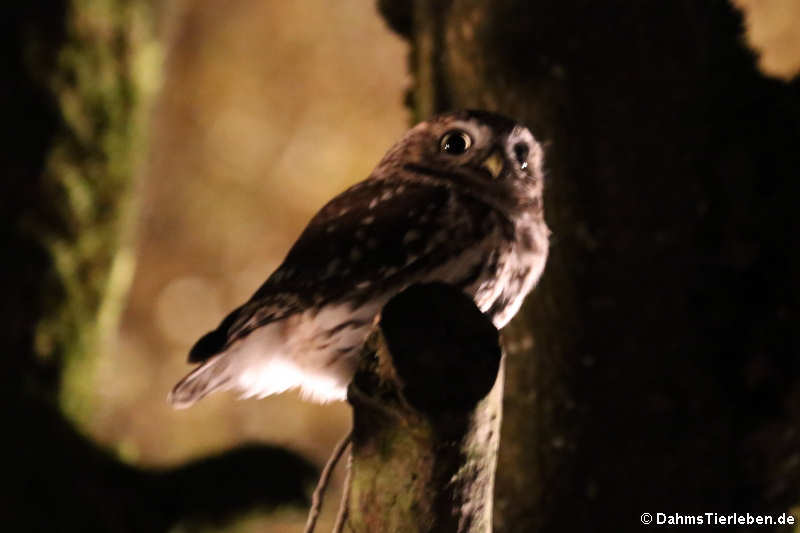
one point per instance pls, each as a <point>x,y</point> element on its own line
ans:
<point>211,376</point>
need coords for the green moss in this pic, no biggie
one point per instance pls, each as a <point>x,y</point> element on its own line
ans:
<point>101,85</point>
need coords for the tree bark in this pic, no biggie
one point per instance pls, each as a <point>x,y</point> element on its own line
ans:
<point>426,417</point>
<point>74,96</point>
<point>655,368</point>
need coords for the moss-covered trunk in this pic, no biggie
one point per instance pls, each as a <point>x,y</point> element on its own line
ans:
<point>73,95</point>
<point>76,76</point>
<point>74,100</point>
<point>655,369</point>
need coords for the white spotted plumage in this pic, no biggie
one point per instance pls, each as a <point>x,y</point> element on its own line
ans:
<point>428,212</point>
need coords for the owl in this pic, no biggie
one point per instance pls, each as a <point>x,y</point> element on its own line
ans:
<point>457,200</point>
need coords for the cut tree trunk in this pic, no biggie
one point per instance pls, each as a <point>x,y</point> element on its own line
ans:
<point>426,417</point>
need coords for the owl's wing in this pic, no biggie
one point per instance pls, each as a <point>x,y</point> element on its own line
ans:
<point>242,320</point>
<point>376,235</point>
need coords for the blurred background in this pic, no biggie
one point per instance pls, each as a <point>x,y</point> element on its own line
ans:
<point>267,110</point>
<point>239,120</point>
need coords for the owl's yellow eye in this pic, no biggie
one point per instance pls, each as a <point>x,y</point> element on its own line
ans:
<point>455,142</point>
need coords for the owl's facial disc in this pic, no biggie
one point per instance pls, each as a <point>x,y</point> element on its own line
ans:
<point>483,155</point>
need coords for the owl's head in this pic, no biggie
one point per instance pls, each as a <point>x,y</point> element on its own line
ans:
<point>481,154</point>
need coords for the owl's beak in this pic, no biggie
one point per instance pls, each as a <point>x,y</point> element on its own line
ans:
<point>494,163</point>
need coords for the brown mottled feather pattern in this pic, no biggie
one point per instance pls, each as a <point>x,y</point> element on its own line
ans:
<point>472,218</point>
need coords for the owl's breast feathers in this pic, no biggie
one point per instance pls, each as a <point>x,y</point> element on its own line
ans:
<point>372,240</point>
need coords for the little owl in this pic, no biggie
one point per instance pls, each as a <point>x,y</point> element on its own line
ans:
<point>457,200</point>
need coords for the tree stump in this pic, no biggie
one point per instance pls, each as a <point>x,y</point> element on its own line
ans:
<point>426,416</point>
